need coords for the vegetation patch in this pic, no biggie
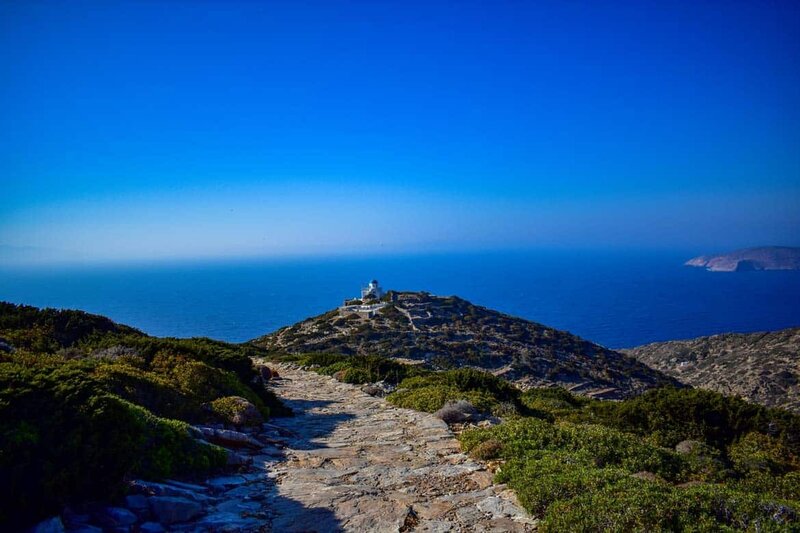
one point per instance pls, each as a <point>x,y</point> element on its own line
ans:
<point>358,369</point>
<point>611,466</point>
<point>65,439</point>
<point>86,402</point>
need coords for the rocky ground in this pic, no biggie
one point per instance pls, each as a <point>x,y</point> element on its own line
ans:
<point>345,462</point>
<point>760,367</point>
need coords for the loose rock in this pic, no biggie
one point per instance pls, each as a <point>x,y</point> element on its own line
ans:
<point>169,509</point>
<point>114,517</point>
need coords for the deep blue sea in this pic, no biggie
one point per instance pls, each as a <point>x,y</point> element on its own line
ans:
<point>616,299</point>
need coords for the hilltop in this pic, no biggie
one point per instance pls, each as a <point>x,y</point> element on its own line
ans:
<point>448,332</point>
<point>760,367</point>
<point>762,258</point>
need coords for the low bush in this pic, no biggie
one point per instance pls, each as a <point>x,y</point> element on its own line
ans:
<point>589,477</point>
<point>757,452</point>
<point>555,400</point>
<point>635,505</point>
<point>785,487</point>
<point>487,450</point>
<point>85,402</point>
<point>322,359</point>
<point>466,379</point>
<point>64,439</point>
<point>667,416</point>
<point>529,437</point>
<point>557,476</point>
<point>49,330</point>
<point>431,399</point>
<point>360,369</point>
<point>430,391</point>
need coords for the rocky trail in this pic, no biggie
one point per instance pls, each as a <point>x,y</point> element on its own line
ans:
<point>345,462</point>
<point>357,463</point>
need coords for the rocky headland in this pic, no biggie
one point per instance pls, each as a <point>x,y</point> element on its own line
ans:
<point>749,259</point>
<point>448,332</point>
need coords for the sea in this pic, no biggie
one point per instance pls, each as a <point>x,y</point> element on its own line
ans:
<point>617,299</point>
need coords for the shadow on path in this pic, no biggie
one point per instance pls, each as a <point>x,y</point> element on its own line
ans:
<point>299,432</point>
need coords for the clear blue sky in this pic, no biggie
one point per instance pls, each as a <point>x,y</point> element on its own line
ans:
<point>205,129</point>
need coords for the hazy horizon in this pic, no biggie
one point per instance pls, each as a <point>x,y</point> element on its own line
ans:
<point>139,132</point>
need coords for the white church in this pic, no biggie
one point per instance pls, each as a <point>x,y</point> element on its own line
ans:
<point>372,291</point>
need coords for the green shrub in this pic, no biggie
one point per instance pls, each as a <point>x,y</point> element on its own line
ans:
<point>322,359</point>
<point>529,437</point>
<point>786,487</point>
<point>334,368</point>
<point>554,477</point>
<point>635,505</point>
<point>555,400</point>
<point>64,439</point>
<point>359,369</point>
<point>151,390</point>
<point>357,376</point>
<point>487,450</point>
<point>705,463</point>
<point>432,398</point>
<point>668,416</point>
<point>763,453</point>
<point>204,383</point>
<point>48,330</point>
<point>466,379</point>
<point>234,358</point>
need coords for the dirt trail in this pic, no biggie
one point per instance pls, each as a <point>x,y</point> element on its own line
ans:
<point>351,462</point>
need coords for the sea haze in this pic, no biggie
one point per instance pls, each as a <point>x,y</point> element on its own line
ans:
<point>616,299</point>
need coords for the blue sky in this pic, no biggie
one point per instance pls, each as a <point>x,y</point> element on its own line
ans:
<point>147,130</point>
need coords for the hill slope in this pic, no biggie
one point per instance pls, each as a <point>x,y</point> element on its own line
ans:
<point>762,258</point>
<point>453,332</point>
<point>760,367</point>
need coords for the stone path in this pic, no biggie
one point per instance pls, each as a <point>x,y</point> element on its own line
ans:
<point>352,462</point>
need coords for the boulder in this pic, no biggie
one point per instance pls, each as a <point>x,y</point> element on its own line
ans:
<point>237,459</point>
<point>51,525</point>
<point>456,412</point>
<point>227,482</point>
<point>236,411</point>
<point>173,488</point>
<point>188,486</point>
<point>229,438</point>
<point>151,527</point>
<point>170,509</point>
<point>264,372</point>
<point>223,522</point>
<point>111,517</point>
<point>135,502</point>
<point>73,520</point>
<point>686,447</point>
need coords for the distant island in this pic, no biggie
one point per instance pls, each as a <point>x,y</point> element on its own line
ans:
<point>749,259</point>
